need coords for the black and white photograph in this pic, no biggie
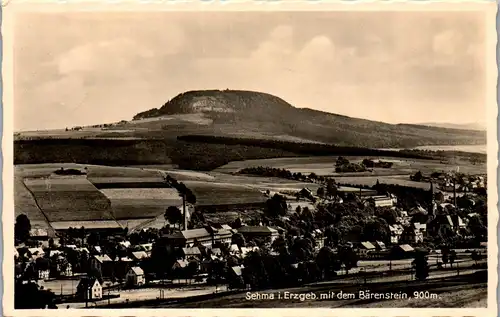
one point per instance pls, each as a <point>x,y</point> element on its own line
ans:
<point>265,158</point>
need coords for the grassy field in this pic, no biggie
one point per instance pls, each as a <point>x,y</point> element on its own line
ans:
<point>211,193</point>
<point>372,180</point>
<point>325,165</point>
<point>24,203</point>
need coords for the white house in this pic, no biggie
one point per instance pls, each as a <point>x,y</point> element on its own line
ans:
<point>135,277</point>
<point>89,289</point>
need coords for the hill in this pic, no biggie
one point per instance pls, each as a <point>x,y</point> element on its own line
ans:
<point>202,130</point>
<point>243,113</point>
<point>466,126</point>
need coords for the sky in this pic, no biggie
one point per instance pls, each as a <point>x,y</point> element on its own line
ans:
<point>398,67</point>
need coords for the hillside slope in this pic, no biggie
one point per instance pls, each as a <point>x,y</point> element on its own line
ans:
<point>256,114</point>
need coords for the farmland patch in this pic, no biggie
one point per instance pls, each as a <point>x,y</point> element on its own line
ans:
<point>69,199</point>
<point>211,193</point>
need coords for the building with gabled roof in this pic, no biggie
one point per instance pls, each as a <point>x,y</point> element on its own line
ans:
<point>135,277</point>
<point>250,232</point>
<point>89,288</point>
<point>140,255</point>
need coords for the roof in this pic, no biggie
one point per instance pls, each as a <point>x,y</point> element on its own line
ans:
<point>88,282</point>
<point>102,258</point>
<point>191,251</point>
<point>406,247</point>
<point>34,251</point>
<point>126,244</point>
<point>234,248</point>
<point>147,246</point>
<point>380,244</point>
<point>139,255</point>
<point>237,270</point>
<point>216,251</point>
<point>367,245</point>
<point>257,229</point>
<point>181,263</point>
<point>38,232</point>
<point>227,227</point>
<point>83,249</point>
<point>55,252</point>
<point>420,226</point>
<point>137,270</point>
<point>195,233</point>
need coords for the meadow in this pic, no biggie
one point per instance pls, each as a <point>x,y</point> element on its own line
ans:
<point>211,193</point>
<point>325,166</point>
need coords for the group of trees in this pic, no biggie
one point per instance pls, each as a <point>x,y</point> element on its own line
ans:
<point>277,172</point>
<point>342,165</point>
<point>371,163</point>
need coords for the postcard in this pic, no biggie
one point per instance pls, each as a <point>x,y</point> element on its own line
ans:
<point>220,158</point>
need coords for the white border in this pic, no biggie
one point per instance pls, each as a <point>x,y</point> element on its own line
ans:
<point>12,7</point>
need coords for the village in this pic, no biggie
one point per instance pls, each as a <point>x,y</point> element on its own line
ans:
<point>305,237</point>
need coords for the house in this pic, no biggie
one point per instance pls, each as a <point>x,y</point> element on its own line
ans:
<point>135,276</point>
<point>379,245</point>
<point>220,235</point>
<point>36,253</point>
<point>125,244</point>
<point>89,288</point>
<point>103,264</point>
<point>138,256</point>
<point>39,234</point>
<point>191,253</point>
<point>364,248</point>
<point>97,249</point>
<point>53,253</point>
<point>411,235</point>
<point>180,264</point>
<point>251,232</point>
<point>381,201</point>
<point>217,252</point>
<point>146,247</point>
<point>402,251</point>
<point>396,232</point>
<point>43,274</point>
<point>190,237</point>
<point>235,277</point>
<point>319,238</point>
<point>65,271</point>
<point>418,210</point>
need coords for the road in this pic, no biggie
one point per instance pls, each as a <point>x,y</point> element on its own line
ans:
<point>148,293</point>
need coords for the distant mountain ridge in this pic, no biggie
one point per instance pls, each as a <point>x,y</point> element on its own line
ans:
<point>242,113</point>
<point>464,126</point>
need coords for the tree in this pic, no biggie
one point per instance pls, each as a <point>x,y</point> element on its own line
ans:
<point>421,266</point>
<point>320,192</point>
<point>417,177</point>
<point>475,256</point>
<point>348,258</point>
<point>445,255</point>
<point>173,215</point>
<point>453,257</point>
<point>376,230</point>
<point>341,161</point>
<point>22,228</point>
<point>276,206</point>
<point>327,262</point>
<point>192,268</point>
<point>238,239</point>
<point>331,188</point>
